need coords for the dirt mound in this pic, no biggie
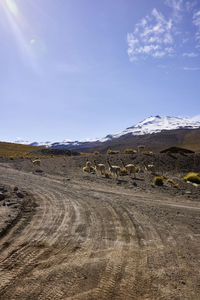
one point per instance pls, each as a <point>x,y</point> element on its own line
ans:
<point>176,150</point>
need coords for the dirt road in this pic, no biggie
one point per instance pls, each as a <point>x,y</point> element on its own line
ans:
<point>85,240</point>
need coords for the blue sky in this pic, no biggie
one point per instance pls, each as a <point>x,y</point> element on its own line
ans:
<point>74,69</point>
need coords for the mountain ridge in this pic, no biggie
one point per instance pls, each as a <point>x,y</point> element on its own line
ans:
<point>150,125</point>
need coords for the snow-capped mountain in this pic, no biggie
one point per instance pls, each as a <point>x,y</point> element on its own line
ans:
<point>148,126</point>
<point>157,124</point>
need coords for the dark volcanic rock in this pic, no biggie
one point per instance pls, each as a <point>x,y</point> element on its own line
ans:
<point>20,194</point>
<point>39,171</point>
<point>54,151</point>
<point>3,189</point>
<point>2,196</point>
<point>11,203</point>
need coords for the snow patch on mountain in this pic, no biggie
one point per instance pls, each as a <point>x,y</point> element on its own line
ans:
<point>150,125</point>
<point>158,124</point>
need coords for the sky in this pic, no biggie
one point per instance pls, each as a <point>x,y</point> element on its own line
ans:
<point>75,69</point>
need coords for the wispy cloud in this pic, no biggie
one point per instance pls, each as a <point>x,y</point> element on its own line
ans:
<point>185,40</point>
<point>177,8</point>
<point>180,6</point>
<point>190,54</point>
<point>196,22</point>
<point>159,36</point>
<point>189,5</point>
<point>175,4</point>
<point>196,18</point>
<point>191,68</point>
<point>152,36</point>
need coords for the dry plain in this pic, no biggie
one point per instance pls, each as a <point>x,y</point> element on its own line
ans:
<point>82,236</point>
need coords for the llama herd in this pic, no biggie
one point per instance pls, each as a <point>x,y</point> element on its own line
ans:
<point>115,170</point>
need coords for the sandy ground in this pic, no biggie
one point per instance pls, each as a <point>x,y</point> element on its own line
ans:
<point>95,238</point>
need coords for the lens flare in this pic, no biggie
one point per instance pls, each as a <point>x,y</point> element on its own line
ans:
<point>31,49</point>
<point>37,48</point>
<point>12,6</point>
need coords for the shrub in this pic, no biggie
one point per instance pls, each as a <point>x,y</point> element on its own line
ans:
<point>192,177</point>
<point>158,180</point>
<point>96,152</point>
<point>84,153</point>
<point>170,181</point>
<point>147,152</point>
<point>173,183</point>
<point>86,169</point>
<point>130,151</point>
<point>113,151</point>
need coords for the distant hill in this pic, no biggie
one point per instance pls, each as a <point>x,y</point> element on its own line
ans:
<point>12,150</point>
<point>184,138</point>
<point>156,133</point>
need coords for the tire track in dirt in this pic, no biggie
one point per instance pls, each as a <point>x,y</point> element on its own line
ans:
<point>87,243</point>
<point>44,225</point>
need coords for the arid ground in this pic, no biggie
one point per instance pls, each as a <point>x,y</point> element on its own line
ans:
<point>77,235</point>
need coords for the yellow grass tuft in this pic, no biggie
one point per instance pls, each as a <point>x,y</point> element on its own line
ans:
<point>192,177</point>
<point>147,153</point>
<point>172,182</point>
<point>158,180</point>
<point>113,151</point>
<point>130,151</point>
<point>86,169</point>
<point>96,153</point>
<point>85,153</point>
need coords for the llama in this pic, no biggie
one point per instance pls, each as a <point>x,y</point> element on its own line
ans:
<point>100,168</point>
<point>115,170</point>
<point>150,168</point>
<point>130,168</point>
<point>36,162</point>
<point>87,167</point>
<point>88,164</point>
